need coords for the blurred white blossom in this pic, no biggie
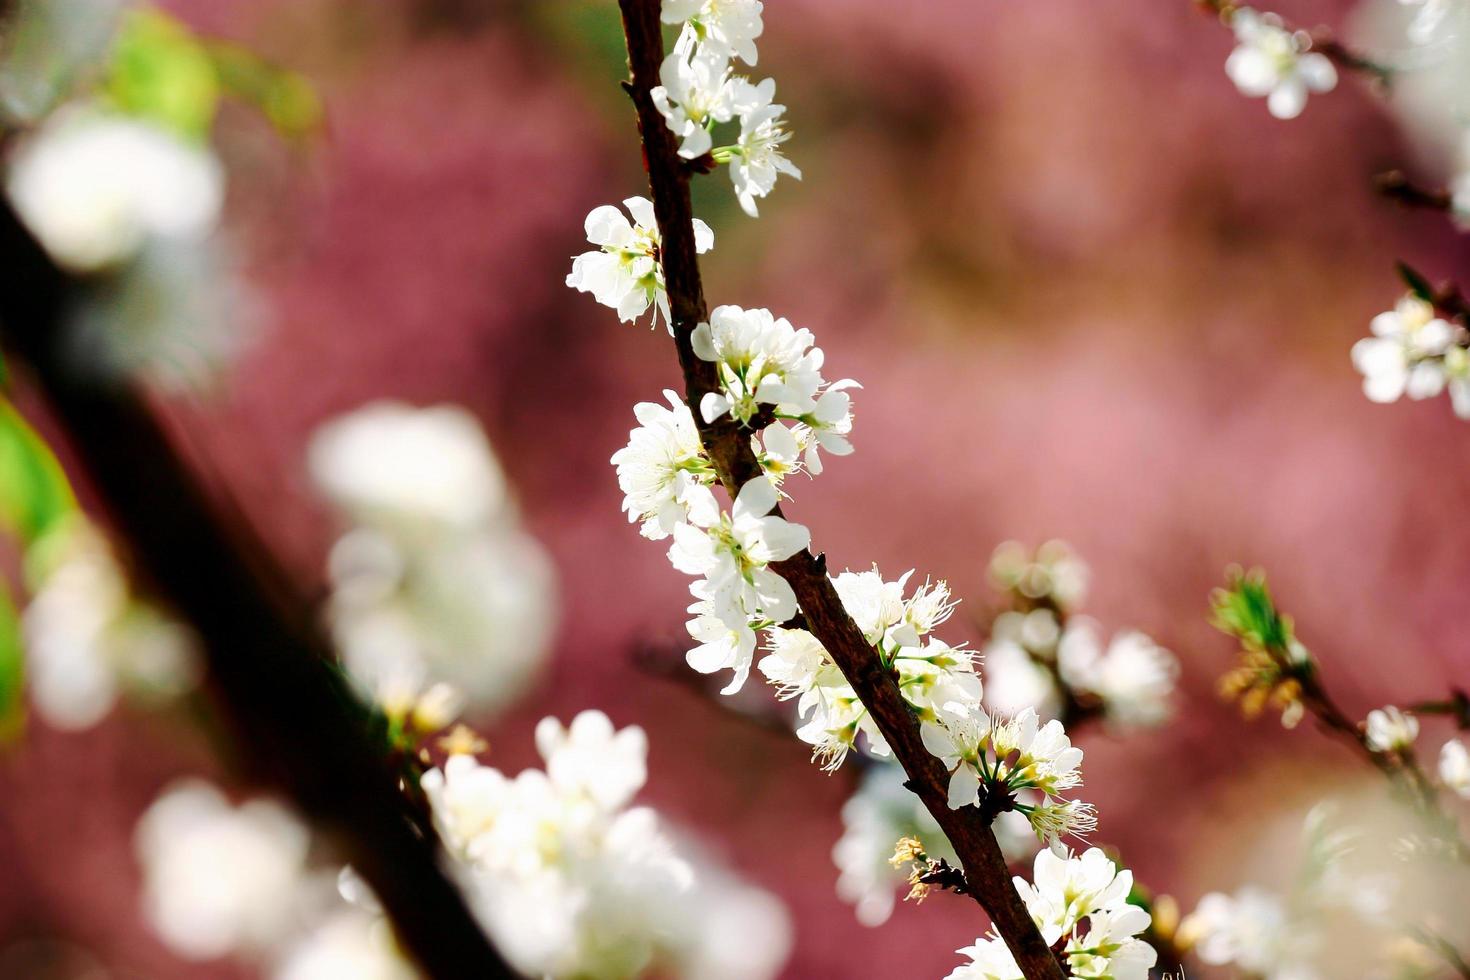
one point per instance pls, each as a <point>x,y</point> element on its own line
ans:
<point>1390,730</point>
<point>88,639</point>
<point>435,584</point>
<point>95,188</point>
<point>351,943</point>
<point>1133,678</point>
<point>1454,767</point>
<point>218,878</point>
<point>1274,62</point>
<point>1054,573</point>
<point>1249,929</point>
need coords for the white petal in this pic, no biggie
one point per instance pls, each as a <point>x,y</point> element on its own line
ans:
<point>1251,71</point>
<point>606,225</point>
<point>756,499</point>
<point>1288,99</point>
<point>964,787</point>
<point>1316,72</point>
<point>704,237</point>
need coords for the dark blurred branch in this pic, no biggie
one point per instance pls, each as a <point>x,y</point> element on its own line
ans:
<point>1324,42</point>
<point>298,726</point>
<point>1396,186</point>
<point>1457,706</point>
<point>728,446</point>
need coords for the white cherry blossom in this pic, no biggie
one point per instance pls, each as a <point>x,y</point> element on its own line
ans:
<point>756,158</point>
<point>1067,891</point>
<point>695,92</point>
<point>720,646</point>
<point>726,27</point>
<point>661,463</point>
<point>1009,756</point>
<point>732,551</point>
<point>624,272</point>
<point>762,360</point>
<point>1273,62</point>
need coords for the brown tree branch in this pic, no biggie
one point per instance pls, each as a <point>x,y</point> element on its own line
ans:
<point>728,447</point>
<point>297,725</point>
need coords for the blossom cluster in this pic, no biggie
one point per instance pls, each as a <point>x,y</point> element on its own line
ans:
<point>1415,352</point>
<point>934,677</point>
<point>771,384</point>
<point>1080,905</point>
<point>699,90</point>
<point>989,756</point>
<point>570,880</point>
<point>439,599</point>
<point>1042,655</point>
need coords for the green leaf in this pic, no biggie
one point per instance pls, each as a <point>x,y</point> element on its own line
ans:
<point>1244,609</point>
<point>284,97</point>
<point>160,71</point>
<point>1417,284</point>
<point>12,671</point>
<point>34,492</point>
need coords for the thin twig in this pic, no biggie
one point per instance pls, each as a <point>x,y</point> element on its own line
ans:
<point>295,722</point>
<point>728,447</point>
<point>1396,186</point>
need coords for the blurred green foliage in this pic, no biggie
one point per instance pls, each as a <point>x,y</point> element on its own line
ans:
<point>35,498</point>
<point>12,671</point>
<point>161,71</point>
<point>34,492</point>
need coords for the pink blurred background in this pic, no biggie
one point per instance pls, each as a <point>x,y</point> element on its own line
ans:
<point>1091,293</point>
